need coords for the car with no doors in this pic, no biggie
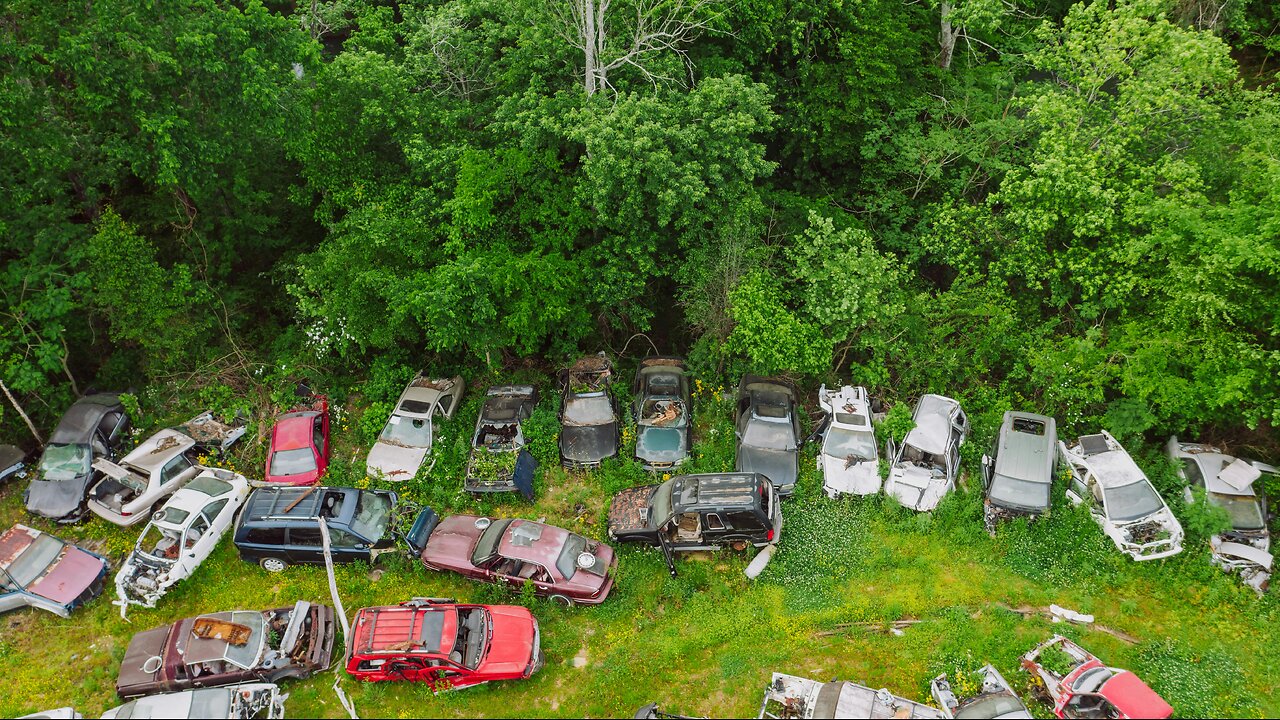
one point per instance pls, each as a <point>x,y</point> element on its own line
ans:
<point>927,465</point>
<point>498,461</point>
<point>90,429</point>
<point>39,570</point>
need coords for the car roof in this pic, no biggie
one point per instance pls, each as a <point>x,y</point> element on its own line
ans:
<point>193,496</point>
<point>1133,697</point>
<point>1113,467</point>
<point>295,503</point>
<point>421,397</point>
<point>716,490</point>
<point>293,431</point>
<point>533,542</point>
<point>158,449</point>
<point>82,418</point>
<point>1023,455</point>
<point>507,403</point>
<point>430,629</point>
<point>932,432</point>
<point>14,541</point>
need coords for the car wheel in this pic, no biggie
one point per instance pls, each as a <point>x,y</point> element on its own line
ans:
<point>562,600</point>
<point>273,565</point>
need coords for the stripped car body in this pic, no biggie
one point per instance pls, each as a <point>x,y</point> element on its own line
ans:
<point>1232,484</point>
<point>588,413</point>
<point>39,570</point>
<point>1090,689</point>
<point>849,458</point>
<point>406,440</point>
<point>768,431</point>
<point>663,413</point>
<point>226,648</point>
<point>1120,498</point>
<point>1019,479</point>
<point>250,701</point>
<point>789,696</point>
<point>90,429</point>
<point>498,461</point>
<point>927,465</point>
<point>299,449</point>
<point>180,536</point>
<point>994,699</point>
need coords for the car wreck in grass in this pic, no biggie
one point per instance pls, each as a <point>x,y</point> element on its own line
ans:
<point>588,413</point>
<point>927,465</point>
<point>1232,484</point>
<point>792,697</point>
<point>768,431</point>
<point>250,701</point>
<point>995,698</point>
<point>1080,686</point>
<point>280,526</point>
<point>299,449</point>
<point>849,461</point>
<point>406,440</point>
<point>1120,498</point>
<point>13,463</point>
<point>498,460</point>
<point>1018,476</point>
<point>227,648</point>
<point>38,570</point>
<point>89,430</point>
<point>663,413</point>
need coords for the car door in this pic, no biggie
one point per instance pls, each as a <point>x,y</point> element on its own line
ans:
<point>320,440</point>
<point>175,474</point>
<point>304,545</point>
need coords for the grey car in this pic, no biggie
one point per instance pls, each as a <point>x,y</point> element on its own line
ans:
<point>768,431</point>
<point>90,429</point>
<point>498,460</point>
<point>588,413</point>
<point>663,413</point>
<point>1020,475</point>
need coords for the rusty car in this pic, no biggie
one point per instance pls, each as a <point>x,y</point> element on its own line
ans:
<point>1018,476</point>
<point>927,465</point>
<point>38,570</point>
<point>588,413</point>
<point>664,412</point>
<point>406,439</point>
<point>498,461</point>
<point>90,429</point>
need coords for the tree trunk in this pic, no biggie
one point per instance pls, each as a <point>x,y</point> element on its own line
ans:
<point>946,37</point>
<point>589,41</point>
<point>22,414</point>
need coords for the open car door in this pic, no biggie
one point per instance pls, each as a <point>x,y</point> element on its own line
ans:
<point>666,551</point>
<point>522,476</point>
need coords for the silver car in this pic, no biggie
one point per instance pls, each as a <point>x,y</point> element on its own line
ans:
<point>768,431</point>
<point>406,439</point>
<point>926,466</point>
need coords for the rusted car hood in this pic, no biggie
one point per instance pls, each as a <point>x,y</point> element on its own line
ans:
<point>69,576</point>
<point>629,510</point>
<point>142,647</point>
<point>451,543</point>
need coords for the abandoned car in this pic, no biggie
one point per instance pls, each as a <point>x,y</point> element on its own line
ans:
<point>406,439</point>
<point>130,489</point>
<point>995,697</point>
<point>788,696</point>
<point>250,701</point>
<point>226,648</point>
<point>849,460</point>
<point>446,645</point>
<point>299,449</point>
<point>927,465</point>
<point>39,570</point>
<point>664,433</point>
<point>498,460</point>
<point>280,526</point>
<point>13,463</point>
<point>1080,686</point>
<point>768,431</point>
<point>1019,478</point>
<point>588,413</point>
<point>1120,498</point>
<point>180,536</point>
<point>1232,484</point>
<point>90,429</point>
<point>561,565</point>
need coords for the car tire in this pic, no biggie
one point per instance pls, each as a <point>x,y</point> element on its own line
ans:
<point>562,600</point>
<point>273,564</point>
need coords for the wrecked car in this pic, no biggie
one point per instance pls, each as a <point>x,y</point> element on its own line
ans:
<point>38,570</point>
<point>446,645</point>
<point>250,701</point>
<point>1120,498</point>
<point>13,463</point>
<point>498,460</point>
<point>663,413</point>
<point>1019,478</point>
<point>130,489</point>
<point>561,565</point>
<point>280,526</point>
<point>299,449</point>
<point>588,413</point>
<point>995,698</point>
<point>788,696</point>
<point>180,536</point>
<point>1080,686</point>
<point>1232,484</point>
<point>90,429</point>
<point>849,460</point>
<point>406,439</point>
<point>768,431</point>
<point>226,648</point>
<point>927,465</point>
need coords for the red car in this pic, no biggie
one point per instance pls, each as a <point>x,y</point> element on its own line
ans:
<point>561,565</point>
<point>299,451</point>
<point>445,645</point>
<point>1090,689</point>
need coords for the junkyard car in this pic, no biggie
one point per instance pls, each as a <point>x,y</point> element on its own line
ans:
<point>39,570</point>
<point>1018,480</point>
<point>1231,484</point>
<point>180,536</point>
<point>90,429</point>
<point>1088,688</point>
<point>226,648</point>
<point>299,450</point>
<point>498,461</point>
<point>280,525</point>
<point>995,698</point>
<point>663,412</point>
<point>768,431</point>
<point>588,413</point>
<point>128,490</point>
<point>251,701</point>
<point>1120,498</point>
<point>446,645</point>
<point>406,440</point>
<point>927,465</point>
<point>561,565</point>
<point>788,696</point>
<point>848,461</point>
<point>13,463</point>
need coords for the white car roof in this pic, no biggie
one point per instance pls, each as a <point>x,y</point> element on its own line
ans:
<point>157,450</point>
<point>848,400</point>
<point>933,424</point>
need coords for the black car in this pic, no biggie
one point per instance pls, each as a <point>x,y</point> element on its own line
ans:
<point>498,461</point>
<point>588,413</point>
<point>768,430</point>
<point>663,413</point>
<point>91,429</point>
<point>279,526</point>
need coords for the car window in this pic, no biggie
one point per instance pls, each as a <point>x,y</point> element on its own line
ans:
<point>195,531</point>
<point>32,563</point>
<point>714,522</point>
<point>174,468</point>
<point>265,536</point>
<point>373,516</point>
<point>1191,469</point>
<point>343,539</point>
<point>318,433</point>
<point>108,423</point>
<point>212,510</point>
<point>742,520</point>
<point>293,462</point>
<point>304,536</point>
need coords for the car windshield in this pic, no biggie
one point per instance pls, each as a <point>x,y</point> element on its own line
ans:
<point>841,443</point>
<point>65,462</point>
<point>1132,501</point>
<point>660,503</point>
<point>407,431</point>
<point>1245,510</point>
<point>1019,493</point>
<point>487,545</point>
<point>993,706</point>
<point>590,410</point>
<point>769,435</point>
<point>293,462</point>
<point>32,563</point>
<point>159,543</point>
<point>373,511</point>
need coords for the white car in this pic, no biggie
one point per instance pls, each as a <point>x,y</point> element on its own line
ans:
<point>1120,498</point>
<point>180,536</point>
<point>131,488</point>
<point>990,697</point>
<point>791,696</point>
<point>925,468</point>
<point>849,460</point>
<point>406,439</point>
<point>236,702</point>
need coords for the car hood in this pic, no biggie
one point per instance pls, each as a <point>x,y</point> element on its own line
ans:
<point>861,478</point>
<point>56,498</point>
<point>452,541</point>
<point>777,465</point>
<point>588,443</point>
<point>143,646</point>
<point>69,576</point>
<point>629,509</point>
<point>395,462</point>
<point>915,487</point>
<point>511,648</point>
<point>659,444</point>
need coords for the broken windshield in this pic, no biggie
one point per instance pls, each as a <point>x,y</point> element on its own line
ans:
<point>842,444</point>
<point>408,432</point>
<point>1132,501</point>
<point>660,504</point>
<point>1245,510</point>
<point>372,513</point>
<point>65,462</point>
<point>591,410</point>
<point>487,545</point>
<point>32,563</point>
<point>293,462</point>
<point>159,543</point>
<point>567,563</point>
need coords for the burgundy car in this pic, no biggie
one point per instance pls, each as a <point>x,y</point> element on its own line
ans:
<point>228,647</point>
<point>39,570</point>
<point>562,565</point>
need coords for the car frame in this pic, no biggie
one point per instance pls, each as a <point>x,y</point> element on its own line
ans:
<point>292,513</point>
<point>1017,478</point>
<point>303,431</point>
<point>926,467</point>
<point>89,429</point>
<point>846,468</point>
<point>766,424</point>
<point>236,702</point>
<point>398,453</point>
<point>498,461</point>
<point>589,422</point>
<point>995,698</point>
<point>42,571</point>
<point>664,413</point>
<point>1091,681</point>
<point>791,696</point>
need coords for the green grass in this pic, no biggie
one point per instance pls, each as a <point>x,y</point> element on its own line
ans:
<point>704,643</point>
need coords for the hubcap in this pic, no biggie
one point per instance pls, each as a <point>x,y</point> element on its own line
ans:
<point>273,565</point>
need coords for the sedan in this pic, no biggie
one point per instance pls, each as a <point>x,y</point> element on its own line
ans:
<point>91,429</point>
<point>39,570</point>
<point>299,451</point>
<point>664,431</point>
<point>406,440</point>
<point>768,431</point>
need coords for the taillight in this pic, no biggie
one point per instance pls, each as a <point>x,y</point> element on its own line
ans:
<point>769,535</point>
<point>125,514</point>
